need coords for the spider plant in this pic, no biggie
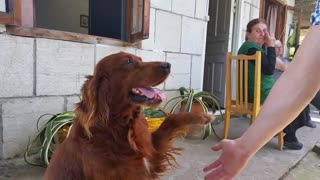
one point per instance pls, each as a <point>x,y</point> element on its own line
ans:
<point>48,137</point>
<point>57,128</point>
<point>189,97</point>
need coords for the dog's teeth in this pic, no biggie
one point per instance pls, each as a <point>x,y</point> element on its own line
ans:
<point>135,90</point>
<point>156,97</point>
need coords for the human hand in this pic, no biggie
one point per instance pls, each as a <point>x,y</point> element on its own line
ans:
<point>230,163</point>
<point>269,39</point>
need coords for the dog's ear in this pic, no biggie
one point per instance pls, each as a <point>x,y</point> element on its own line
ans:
<point>93,107</point>
<point>101,99</point>
<point>85,109</point>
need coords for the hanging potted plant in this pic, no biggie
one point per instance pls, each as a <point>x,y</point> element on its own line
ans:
<point>191,101</point>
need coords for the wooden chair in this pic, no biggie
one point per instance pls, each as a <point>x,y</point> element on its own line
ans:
<point>239,104</point>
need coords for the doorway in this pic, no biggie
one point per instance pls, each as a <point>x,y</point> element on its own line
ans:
<point>218,32</point>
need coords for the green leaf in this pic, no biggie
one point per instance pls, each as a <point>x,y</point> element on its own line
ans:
<point>204,98</point>
<point>207,131</point>
<point>46,137</point>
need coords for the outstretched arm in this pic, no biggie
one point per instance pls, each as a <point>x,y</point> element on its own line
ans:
<point>280,108</point>
<point>301,84</point>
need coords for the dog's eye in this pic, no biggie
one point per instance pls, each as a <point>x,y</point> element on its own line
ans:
<point>130,61</point>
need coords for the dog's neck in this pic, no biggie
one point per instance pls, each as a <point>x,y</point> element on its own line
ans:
<point>127,112</point>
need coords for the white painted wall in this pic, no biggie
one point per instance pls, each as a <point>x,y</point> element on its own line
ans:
<point>246,11</point>
<point>40,76</point>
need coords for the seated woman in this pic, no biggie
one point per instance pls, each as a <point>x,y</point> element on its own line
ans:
<point>257,39</point>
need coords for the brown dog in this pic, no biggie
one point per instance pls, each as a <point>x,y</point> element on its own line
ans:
<point>109,139</point>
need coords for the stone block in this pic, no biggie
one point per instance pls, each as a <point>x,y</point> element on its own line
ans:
<point>175,81</point>
<point>2,5</point>
<point>16,69</point>
<point>202,9</point>
<point>256,3</point>
<point>254,12</point>
<point>184,7</point>
<point>19,121</point>
<point>148,44</point>
<point>167,31</point>
<point>169,95</point>
<point>62,66</point>
<point>193,35</point>
<point>106,50</point>
<point>71,102</point>
<point>180,63</point>
<point>161,4</point>
<point>148,56</point>
<point>245,14</point>
<point>197,71</point>
<point>2,28</point>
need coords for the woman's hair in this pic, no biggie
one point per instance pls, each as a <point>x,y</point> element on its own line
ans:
<point>252,23</point>
<point>277,43</point>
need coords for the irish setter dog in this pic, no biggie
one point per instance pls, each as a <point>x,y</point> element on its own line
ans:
<point>109,139</point>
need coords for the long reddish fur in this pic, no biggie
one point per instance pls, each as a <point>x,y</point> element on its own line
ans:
<point>109,139</point>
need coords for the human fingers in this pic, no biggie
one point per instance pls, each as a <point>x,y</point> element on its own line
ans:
<point>218,146</point>
<point>216,174</point>
<point>213,165</point>
<point>266,34</point>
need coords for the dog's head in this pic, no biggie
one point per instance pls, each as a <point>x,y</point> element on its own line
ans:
<point>119,82</point>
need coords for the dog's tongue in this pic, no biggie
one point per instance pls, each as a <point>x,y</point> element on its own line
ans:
<point>151,93</point>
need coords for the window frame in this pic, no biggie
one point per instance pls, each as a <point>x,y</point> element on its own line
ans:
<point>144,33</point>
<point>21,21</point>
<point>14,17</point>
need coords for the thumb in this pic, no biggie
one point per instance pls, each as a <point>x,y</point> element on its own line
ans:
<point>218,146</point>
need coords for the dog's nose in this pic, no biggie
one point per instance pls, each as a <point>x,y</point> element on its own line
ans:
<point>165,67</point>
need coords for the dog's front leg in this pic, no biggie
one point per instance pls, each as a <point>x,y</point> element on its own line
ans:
<point>173,126</point>
<point>176,125</point>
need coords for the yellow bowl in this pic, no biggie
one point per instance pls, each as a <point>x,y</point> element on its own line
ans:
<point>154,123</point>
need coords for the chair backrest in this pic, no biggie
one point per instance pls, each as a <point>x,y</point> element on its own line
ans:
<point>239,104</point>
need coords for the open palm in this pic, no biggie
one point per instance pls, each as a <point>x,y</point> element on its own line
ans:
<point>230,163</point>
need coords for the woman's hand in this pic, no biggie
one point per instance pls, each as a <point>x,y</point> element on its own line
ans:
<point>280,66</point>
<point>230,163</point>
<point>269,40</point>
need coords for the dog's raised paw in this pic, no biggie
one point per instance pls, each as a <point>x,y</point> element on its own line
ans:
<point>201,117</point>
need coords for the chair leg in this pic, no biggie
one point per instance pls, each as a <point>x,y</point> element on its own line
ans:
<point>251,119</point>
<point>280,140</point>
<point>226,124</point>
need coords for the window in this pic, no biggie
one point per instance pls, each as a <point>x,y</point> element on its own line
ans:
<point>124,20</point>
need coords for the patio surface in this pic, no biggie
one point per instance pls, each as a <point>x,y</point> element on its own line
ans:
<point>268,163</point>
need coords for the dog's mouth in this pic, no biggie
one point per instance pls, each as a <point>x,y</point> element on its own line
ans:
<point>146,95</point>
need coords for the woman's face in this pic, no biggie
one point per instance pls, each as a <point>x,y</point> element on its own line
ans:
<point>258,33</point>
<point>279,49</point>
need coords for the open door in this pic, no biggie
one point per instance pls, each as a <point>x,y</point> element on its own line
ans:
<point>216,48</point>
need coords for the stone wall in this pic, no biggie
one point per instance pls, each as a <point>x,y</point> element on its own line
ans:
<point>39,76</point>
